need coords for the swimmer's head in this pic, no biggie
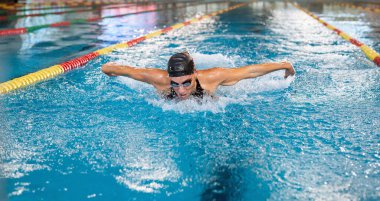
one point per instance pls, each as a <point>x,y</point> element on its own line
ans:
<point>182,74</point>
<point>180,64</point>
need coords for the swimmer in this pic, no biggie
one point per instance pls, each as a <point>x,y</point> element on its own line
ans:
<point>181,80</point>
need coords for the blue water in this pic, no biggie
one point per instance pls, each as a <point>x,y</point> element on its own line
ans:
<point>84,135</point>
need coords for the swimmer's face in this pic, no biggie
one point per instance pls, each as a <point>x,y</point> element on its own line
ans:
<point>183,85</point>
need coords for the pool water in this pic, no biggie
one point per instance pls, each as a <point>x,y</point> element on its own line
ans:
<point>84,135</point>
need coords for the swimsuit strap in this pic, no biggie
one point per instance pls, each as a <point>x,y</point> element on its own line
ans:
<point>199,91</point>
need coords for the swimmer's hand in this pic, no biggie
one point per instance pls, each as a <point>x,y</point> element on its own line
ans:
<point>106,68</point>
<point>289,70</point>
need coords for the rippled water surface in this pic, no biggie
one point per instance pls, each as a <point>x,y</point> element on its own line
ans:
<point>84,135</point>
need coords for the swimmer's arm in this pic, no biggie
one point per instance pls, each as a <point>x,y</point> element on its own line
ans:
<point>230,76</point>
<point>156,77</point>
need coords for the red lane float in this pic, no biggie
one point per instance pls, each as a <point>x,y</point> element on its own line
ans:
<point>78,62</point>
<point>16,31</point>
<point>135,41</point>
<point>61,24</point>
<point>167,29</point>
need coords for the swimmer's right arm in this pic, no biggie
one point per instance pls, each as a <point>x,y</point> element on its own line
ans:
<point>153,76</point>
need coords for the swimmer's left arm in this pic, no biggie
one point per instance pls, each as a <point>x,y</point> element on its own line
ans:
<point>230,76</point>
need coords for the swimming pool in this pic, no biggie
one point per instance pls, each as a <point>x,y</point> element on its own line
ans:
<point>84,135</point>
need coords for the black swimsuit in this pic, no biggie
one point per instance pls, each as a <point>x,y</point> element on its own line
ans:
<point>198,92</point>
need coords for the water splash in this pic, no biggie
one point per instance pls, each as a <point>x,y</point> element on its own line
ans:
<point>241,93</point>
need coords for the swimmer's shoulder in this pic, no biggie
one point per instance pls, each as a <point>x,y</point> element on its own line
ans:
<point>160,79</point>
<point>210,72</point>
<point>209,78</point>
<point>210,75</point>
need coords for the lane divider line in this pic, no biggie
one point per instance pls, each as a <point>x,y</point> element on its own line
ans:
<point>23,30</point>
<point>53,5</point>
<point>67,2</point>
<point>15,17</point>
<point>59,69</point>
<point>9,10</point>
<point>369,52</point>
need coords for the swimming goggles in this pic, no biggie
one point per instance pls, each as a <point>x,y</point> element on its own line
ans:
<point>186,83</point>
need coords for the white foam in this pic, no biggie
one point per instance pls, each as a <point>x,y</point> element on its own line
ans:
<point>17,166</point>
<point>138,86</point>
<point>270,82</point>
<point>20,189</point>
<point>139,186</point>
<point>18,169</point>
<point>191,105</point>
<point>148,170</point>
<point>204,61</point>
<point>91,196</point>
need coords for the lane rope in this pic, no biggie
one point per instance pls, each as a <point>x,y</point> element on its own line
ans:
<point>369,52</point>
<point>7,11</point>
<point>15,17</point>
<point>53,5</point>
<point>58,69</point>
<point>94,8</point>
<point>23,30</point>
<point>81,6</point>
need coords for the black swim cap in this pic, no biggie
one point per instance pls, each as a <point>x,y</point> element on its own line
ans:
<point>180,64</point>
